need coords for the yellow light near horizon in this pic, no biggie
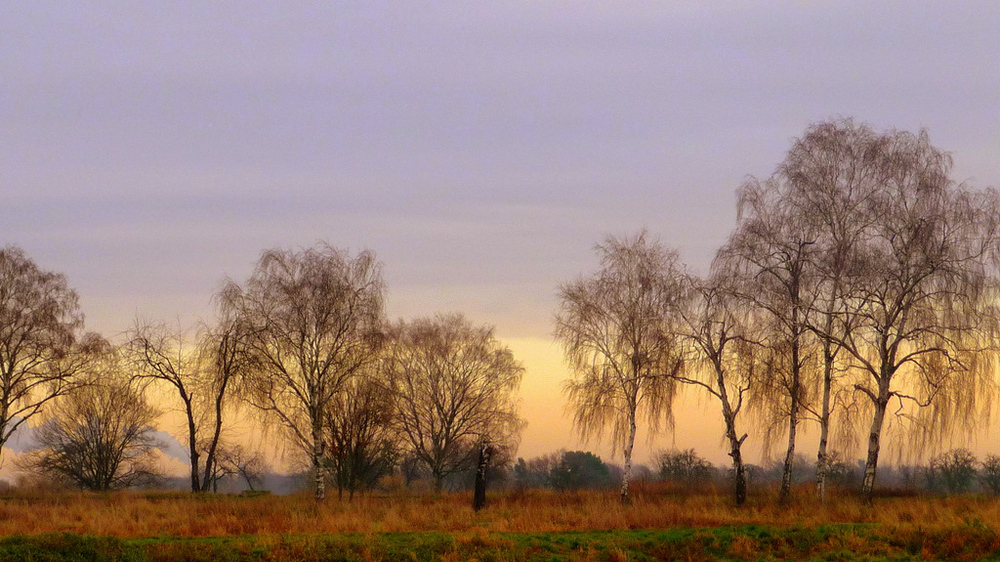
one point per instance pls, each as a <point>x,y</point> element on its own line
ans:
<point>543,405</point>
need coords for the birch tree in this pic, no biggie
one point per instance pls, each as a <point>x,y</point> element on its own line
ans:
<point>922,296</point>
<point>313,320</point>
<point>717,330</point>
<point>830,174</point>
<point>771,250</point>
<point>618,328</point>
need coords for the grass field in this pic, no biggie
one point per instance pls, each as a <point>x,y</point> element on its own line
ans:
<point>661,524</point>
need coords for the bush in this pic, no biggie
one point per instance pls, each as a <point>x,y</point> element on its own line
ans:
<point>839,472</point>
<point>953,471</point>
<point>580,469</point>
<point>989,477</point>
<point>685,467</point>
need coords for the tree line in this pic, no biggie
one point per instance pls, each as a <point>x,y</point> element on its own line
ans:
<point>303,343</point>
<point>857,291</point>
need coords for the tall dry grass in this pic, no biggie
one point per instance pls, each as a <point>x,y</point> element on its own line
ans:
<point>134,514</point>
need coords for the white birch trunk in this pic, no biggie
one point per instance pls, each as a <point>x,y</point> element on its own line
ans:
<point>629,444</point>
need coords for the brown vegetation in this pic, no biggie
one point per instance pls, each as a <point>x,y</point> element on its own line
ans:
<point>132,514</point>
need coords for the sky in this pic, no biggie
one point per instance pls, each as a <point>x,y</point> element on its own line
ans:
<point>151,150</point>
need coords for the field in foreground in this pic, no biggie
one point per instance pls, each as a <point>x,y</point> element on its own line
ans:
<point>659,525</point>
<point>827,542</point>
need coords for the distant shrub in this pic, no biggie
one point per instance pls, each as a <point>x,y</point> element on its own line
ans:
<point>685,467</point>
<point>952,471</point>
<point>578,470</point>
<point>989,477</point>
<point>839,471</point>
<point>534,473</point>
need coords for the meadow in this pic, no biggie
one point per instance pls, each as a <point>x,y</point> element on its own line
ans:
<point>661,524</point>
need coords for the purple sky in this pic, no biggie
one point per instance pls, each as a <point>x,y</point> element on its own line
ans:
<point>148,149</point>
<point>481,149</point>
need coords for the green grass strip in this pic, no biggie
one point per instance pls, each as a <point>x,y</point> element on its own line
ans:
<point>972,541</point>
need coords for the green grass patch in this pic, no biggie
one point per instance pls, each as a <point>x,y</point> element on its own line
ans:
<point>840,542</point>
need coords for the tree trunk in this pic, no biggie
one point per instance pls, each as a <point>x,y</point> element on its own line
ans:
<point>4,421</point>
<point>735,444</point>
<point>627,471</point>
<point>739,473</point>
<point>793,422</point>
<point>829,356</point>
<point>874,444</point>
<point>216,435</point>
<point>479,497</point>
<point>822,459</point>
<point>192,444</point>
<point>319,464</point>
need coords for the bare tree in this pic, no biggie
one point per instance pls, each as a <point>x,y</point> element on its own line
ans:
<point>364,442</point>
<point>159,354</point>
<point>235,460</point>
<point>724,359</point>
<point>40,321</point>
<point>312,321</point>
<point>618,329</point>
<point>862,242</point>
<point>921,300</point>
<point>454,384</point>
<point>100,436</point>
<point>685,467</point>
<point>828,175</point>
<point>224,359</point>
<point>202,376</point>
<point>772,249</point>
<point>953,470</point>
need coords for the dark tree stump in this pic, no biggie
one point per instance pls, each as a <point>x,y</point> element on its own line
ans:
<point>479,498</point>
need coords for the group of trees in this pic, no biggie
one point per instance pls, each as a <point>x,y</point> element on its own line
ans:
<point>858,276</point>
<point>563,471</point>
<point>858,288</point>
<point>303,343</point>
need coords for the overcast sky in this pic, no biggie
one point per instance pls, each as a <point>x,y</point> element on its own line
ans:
<point>481,149</point>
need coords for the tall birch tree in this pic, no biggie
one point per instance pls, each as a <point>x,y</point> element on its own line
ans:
<point>313,319</point>
<point>770,252</point>
<point>619,330</point>
<point>921,303</point>
<point>830,174</point>
<point>717,329</point>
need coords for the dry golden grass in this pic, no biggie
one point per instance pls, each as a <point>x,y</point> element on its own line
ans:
<point>133,515</point>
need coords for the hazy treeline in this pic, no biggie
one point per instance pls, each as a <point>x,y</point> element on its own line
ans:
<point>952,471</point>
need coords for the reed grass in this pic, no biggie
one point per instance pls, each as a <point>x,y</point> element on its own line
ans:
<point>157,514</point>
